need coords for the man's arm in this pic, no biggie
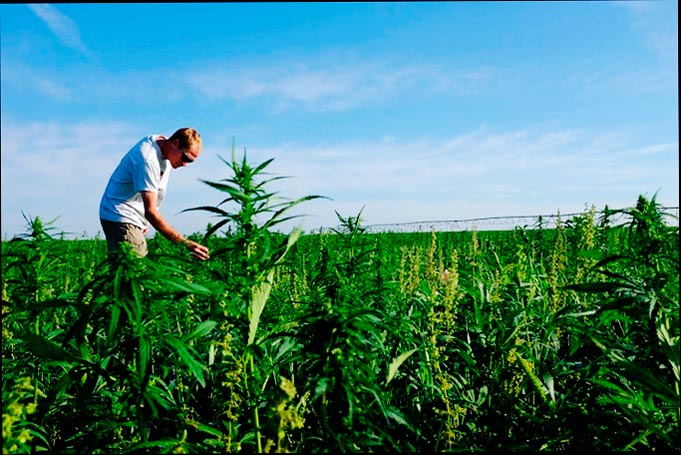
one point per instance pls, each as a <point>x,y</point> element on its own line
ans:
<point>152,214</point>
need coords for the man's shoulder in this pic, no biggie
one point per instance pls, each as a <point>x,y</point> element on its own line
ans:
<point>147,148</point>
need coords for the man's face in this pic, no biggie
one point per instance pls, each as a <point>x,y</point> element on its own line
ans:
<point>182,157</point>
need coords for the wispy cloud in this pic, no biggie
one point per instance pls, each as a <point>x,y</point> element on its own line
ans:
<point>316,86</point>
<point>479,173</point>
<point>664,42</point>
<point>320,85</point>
<point>21,75</point>
<point>63,27</point>
<point>313,85</point>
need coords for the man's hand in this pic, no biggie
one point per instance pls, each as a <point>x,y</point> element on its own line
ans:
<point>199,252</point>
<point>154,217</point>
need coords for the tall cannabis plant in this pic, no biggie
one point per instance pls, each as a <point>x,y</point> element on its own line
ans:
<point>252,250</point>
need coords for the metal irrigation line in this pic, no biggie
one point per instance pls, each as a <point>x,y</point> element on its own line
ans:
<point>415,226</point>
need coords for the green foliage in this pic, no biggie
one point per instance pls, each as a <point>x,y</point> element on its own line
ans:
<point>18,403</point>
<point>345,341</point>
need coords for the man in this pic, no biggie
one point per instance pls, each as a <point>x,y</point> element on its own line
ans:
<point>136,189</point>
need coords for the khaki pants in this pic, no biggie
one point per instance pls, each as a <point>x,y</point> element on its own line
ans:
<point>117,233</point>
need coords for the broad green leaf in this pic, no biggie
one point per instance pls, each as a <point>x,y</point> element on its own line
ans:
<point>144,354</point>
<point>396,363</point>
<point>45,348</point>
<point>260,294</point>
<point>202,329</point>
<point>187,358</point>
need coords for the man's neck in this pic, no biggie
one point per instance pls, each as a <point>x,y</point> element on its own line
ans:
<point>163,144</point>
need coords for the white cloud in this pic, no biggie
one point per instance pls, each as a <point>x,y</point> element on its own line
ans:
<point>481,173</point>
<point>320,85</point>
<point>25,76</point>
<point>659,34</point>
<point>324,84</point>
<point>63,27</point>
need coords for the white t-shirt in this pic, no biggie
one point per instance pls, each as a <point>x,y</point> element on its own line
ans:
<point>143,168</point>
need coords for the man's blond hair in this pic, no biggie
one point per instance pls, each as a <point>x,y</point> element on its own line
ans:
<point>187,137</point>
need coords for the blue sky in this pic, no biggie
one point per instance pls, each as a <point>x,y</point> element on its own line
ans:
<point>405,111</point>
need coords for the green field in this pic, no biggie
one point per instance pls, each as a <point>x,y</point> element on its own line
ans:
<point>347,341</point>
